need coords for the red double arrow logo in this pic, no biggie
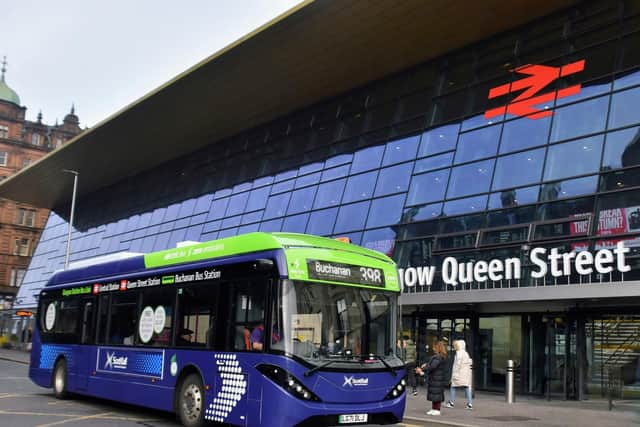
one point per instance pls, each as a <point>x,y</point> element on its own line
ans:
<point>540,76</point>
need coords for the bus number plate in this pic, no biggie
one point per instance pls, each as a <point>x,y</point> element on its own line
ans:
<point>352,418</point>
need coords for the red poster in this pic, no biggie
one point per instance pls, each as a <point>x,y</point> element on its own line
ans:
<point>612,221</point>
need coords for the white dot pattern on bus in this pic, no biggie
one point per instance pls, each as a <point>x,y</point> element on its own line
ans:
<point>233,387</point>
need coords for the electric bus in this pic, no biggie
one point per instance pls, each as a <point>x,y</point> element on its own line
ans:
<point>261,329</point>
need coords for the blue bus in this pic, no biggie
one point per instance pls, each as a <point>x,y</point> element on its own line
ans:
<point>262,329</point>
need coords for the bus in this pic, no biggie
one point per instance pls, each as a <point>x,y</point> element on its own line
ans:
<point>261,329</point>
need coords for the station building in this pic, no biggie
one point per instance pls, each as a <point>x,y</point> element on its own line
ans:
<point>493,150</point>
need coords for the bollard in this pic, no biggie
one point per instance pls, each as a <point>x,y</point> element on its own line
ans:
<point>510,394</point>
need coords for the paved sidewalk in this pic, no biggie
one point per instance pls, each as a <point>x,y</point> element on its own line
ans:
<point>15,355</point>
<point>490,410</point>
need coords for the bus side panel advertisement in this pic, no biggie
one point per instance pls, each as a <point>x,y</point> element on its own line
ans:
<point>141,363</point>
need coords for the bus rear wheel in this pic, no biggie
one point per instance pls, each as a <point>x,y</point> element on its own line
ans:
<point>191,401</point>
<point>60,379</point>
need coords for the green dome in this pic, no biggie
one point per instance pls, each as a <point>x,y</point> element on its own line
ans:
<point>8,94</point>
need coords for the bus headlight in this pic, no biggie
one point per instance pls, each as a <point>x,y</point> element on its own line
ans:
<point>397,390</point>
<point>287,381</point>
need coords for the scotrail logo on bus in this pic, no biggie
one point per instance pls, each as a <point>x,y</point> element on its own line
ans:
<point>352,381</point>
<point>115,362</point>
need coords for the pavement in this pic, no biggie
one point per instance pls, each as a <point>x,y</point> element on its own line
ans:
<point>490,409</point>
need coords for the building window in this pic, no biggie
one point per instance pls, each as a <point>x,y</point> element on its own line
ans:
<point>17,274</point>
<point>35,139</point>
<point>4,158</point>
<point>4,131</point>
<point>26,217</point>
<point>22,247</point>
<point>26,162</point>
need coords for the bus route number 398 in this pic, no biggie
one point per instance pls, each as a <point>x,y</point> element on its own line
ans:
<point>371,275</point>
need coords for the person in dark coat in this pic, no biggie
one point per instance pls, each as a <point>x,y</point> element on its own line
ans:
<point>436,371</point>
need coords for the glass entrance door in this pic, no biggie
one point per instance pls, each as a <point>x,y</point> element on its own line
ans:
<point>499,340</point>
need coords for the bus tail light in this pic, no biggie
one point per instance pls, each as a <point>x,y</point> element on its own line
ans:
<point>287,381</point>
<point>397,390</point>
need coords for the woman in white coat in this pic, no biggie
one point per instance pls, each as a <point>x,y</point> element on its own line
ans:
<point>460,374</point>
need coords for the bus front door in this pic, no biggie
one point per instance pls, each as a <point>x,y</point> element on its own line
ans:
<point>87,333</point>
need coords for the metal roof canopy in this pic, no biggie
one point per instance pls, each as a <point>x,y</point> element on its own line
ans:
<point>312,52</point>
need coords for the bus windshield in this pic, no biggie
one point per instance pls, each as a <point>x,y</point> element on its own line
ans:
<point>320,322</point>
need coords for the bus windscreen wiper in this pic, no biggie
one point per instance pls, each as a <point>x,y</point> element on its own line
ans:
<point>325,364</point>
<point>384,362</point>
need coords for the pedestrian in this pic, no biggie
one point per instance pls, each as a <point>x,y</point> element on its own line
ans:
<point>436,371</point>
<point>407,352</point>
<point>460,374</point>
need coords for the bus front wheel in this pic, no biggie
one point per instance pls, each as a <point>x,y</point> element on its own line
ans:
<point>191,401</point>
<point>60,379</point>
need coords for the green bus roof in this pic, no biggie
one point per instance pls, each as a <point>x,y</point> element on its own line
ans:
<point>309,258</point>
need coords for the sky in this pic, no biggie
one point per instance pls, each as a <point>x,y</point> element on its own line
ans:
<point>102,55</point>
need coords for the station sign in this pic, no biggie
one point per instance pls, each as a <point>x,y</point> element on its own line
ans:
<point>543,261</point>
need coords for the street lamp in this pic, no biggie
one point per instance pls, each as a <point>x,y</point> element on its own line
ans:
<point>73,207</point>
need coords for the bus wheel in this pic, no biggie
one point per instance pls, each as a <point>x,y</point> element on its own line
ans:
<point>191,401</point>
<point>60,379</point>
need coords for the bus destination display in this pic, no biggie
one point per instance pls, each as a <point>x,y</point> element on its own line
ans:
<point>346,273</point>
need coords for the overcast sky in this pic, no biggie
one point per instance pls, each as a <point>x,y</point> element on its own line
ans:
<point>102,55</point>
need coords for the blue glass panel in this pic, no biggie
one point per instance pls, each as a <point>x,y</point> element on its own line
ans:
<point>394,179</point>
<point>211,226</point>
<point>227,233</point>
<point>477,144</point>
<point>156,216</point>
<point>568,188</point>
<point>136,245</point>
<point>579,119</point>
<point>145,219</point>
<point>261,182</point>
<point>282,187</point>
<point>286,175</point>
<point>177,236</point>
<point>222,193</point>
<point>181,223</point>
<point>121,227</point>
<point>385,211</point>
<point>518,169</point>
<point>428,187</point>
<point>621,149</point>
<point>321,222</point>
<point>513,197</point>
<point>198,219</point>
<point>303,181</point>
<point>162,242</point>
<point>624,108</point>
<point>524,133</point>
<point>302,200</point>
<point>587,91</point>
<point>249,228</point>
<point>340,159</point>
<point>460,206</point>
<point>470,179</point>
<point>236,204</point>
<point>209,236</point>
<point>194,233</point>
<point>218,208</point>
<point>334,173</point>
<point>479,121</point>
<point>352,217</point>
<point>381,240</point>
<point>296,223</point>
<point>422,212</point>
<point>329,194</point>
<point>154,229</point>
<point>233,221</point>
<point>186,209</point>
<point>627,80</point>
<point>573,158</point>
<point>203,204</point>
<point>248,218</point>
<point>401,150</point>
<point>367,159</point>
<point>313,167</point>
<point>277,205</point>
<point>240,188</point>
<point>272,226</point>
<point>435,162</point>
<point>359,187</point>
<point>167,226</point>
<point>257,199</point>
<point>132,224</point>
<point>438,140</point>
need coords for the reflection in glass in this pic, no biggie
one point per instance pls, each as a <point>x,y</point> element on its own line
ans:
<point>352,217</point>
<point>470,179</point>
<point>513,197</point>
<point>421,212</point>
<point>359,187</point>
<point>394,179</point>
<point>321,222</point>
<point>573,158</point>
<point>385,211</point>
<point>381,240</point>
<point>621,149</point>
<point>439,139</point>
<point>579,119</point>
<point>624,108</point>
<point>428,187</point>
<point>524,133</point>
<point>471,204</point>
<point>366,159</point>
<point>401,150</point>
<point>478,144</point>
<point>518,169</point>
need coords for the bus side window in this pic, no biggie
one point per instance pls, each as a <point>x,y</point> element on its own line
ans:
<point>103,319</point>
<point>249,300</point>
<point>122,322</point>
<point>196,326</point>
<point>161,302</point>
<point>87,321</point>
